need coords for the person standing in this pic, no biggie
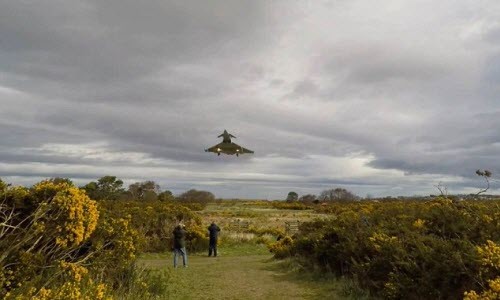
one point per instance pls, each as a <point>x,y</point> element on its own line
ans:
<point>180,245</point>
<point>214,230</point>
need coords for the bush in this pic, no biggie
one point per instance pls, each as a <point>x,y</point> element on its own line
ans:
<point>412,250</point>
<point>56,243</point>
<point>42,230</point>
<point>282,248</point>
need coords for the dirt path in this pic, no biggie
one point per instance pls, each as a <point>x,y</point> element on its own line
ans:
<point>238,276</point>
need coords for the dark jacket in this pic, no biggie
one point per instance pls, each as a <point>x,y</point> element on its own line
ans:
<point>179,237</point>
<point>214,231</point>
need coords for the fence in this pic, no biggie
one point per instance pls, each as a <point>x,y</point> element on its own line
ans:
<point>291,227</point>
<point>239,225</point>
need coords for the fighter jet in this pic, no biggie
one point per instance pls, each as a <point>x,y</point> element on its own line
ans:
<point>228,147</point>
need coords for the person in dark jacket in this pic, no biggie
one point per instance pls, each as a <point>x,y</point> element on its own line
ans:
<point>214,230</point>
<point>180,245</point>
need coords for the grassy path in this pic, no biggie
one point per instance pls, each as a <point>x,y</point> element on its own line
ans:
<point>247,272</point>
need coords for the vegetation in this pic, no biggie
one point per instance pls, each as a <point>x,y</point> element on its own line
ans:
<point>56,242</point>
<point>195,196</point>
<point>438,249</point>
<point>292,196</point>
<point>106,188</point>
<point>337,194</point>
<point>43,231</point>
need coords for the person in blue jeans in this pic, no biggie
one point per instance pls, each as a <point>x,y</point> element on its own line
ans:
<point>180,245</point>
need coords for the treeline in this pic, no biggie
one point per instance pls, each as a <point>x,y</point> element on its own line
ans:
<point>336,194</point>
<point>112,188</point>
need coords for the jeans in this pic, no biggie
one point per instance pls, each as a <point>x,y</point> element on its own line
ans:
<point>182,252</point>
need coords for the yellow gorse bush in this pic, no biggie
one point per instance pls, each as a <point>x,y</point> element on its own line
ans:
<point>71,214</point>
<point>56,243</point>
<point>42,229</point>
<point>492,293</point>
<point>419,224</point>
<point>380,240</point>
<point>490,255</point>
<point>406,249</point>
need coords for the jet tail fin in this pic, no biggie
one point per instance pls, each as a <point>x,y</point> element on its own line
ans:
<point>226,133</point>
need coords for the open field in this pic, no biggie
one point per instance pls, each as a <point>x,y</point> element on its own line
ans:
<point>259,214</point>
<point>240,272</point>
<point>244,269</point>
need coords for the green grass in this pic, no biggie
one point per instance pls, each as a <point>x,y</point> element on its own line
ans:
<point>241,249</point>
<point>245,269</point>
<point>240,272</point>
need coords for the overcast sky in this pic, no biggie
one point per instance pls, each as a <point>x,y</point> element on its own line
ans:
<point>378,97</point>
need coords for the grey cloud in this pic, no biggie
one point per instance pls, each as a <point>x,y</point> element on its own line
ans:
<point>89,47</point>
<point>276,82</point>
<point>491,72</point>
<point>305,88</point>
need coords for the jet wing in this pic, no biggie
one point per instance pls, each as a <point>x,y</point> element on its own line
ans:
<point>241,149</point>
<point>215,149</point>
<point>245,150</point>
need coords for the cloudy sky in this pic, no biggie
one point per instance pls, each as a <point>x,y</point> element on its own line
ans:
<point>379,97</point>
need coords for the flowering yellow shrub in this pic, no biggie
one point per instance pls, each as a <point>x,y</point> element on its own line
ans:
<point>419,224</point>
<point>491,294</point>
<point>56,243</point>
<point>490,255</point>
<point>75,285</point>
<point>197,239</point>
<point>407,249</point>
<point>42,229</point>
<point>282,248</point>
<point>380,239</point>
<point>116,242</point>
<point>71,216</point>
<point>16,194</point>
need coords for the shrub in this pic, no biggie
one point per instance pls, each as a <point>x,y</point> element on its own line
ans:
<point>410,250</point>
<point>56,243</point>
<point>282,248</point>
<point>42,229</point>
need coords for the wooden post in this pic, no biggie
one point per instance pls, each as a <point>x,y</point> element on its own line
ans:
<point>291,227</point>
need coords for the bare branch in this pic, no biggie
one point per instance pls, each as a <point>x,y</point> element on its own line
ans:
<point>486,175</point>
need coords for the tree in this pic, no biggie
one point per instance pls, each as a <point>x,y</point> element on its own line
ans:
<point>146,190</point>
<point>486,175</point>
<point>292,196</point>
<point>196,196</point>
<point>58,180</point>
<point>309,198</point>
<point>3,185</point>
<point>166,196</point>
<point>106,188</point>
<point>338,194</point>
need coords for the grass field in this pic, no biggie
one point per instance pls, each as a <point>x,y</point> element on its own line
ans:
<point>240,272</point>
<point>244,269</point>
<point>259,216</point>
